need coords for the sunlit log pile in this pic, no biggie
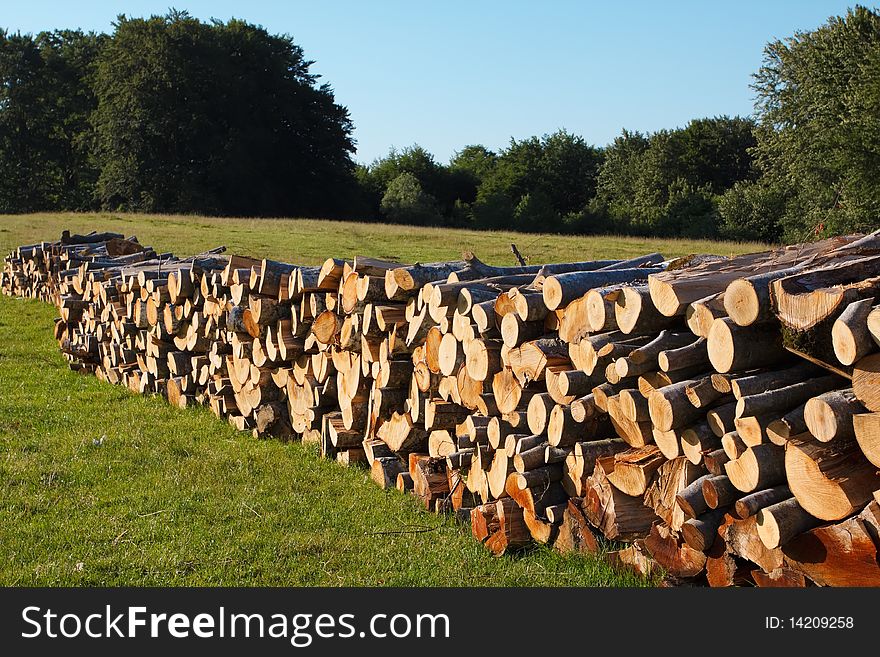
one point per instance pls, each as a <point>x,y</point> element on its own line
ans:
<point>716,416</point>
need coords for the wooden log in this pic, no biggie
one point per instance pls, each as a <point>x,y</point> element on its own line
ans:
<point>668,442</point>
<point>784,399</point>
<point>384,471</point>
<point>850,335</point>
<point>750,504</point>
<point>780,578</point>
<point>697,440</point>
<point>830,480</point>
<point>631,472</point>
<point>780,522</point>
<point>693,354</point>
<point>699,533</point>
<point>701,314</point>
<point>866,427</point>
<point>805,299</point>
<point>741,537</point>
<point>672,478</point>
<point>676,557</point>
<point>715,461</point>
<point>513,533</point>
<point>690,499</point>
<point>733,347</point>
<point>615,514</point>
<point>842,554</point>
<point>829,416</point>
<point>635,312</point>
<point>538,412</point>
<point>703,393</point>
<point>561,289</point>
<point>866,381</point>
<point>759,467</point>
<point>670,407</point>
<point>765,381</point>
<point>637,434</point>
<point>721,419</point>
<point>719,492</point>
<point>575,534</point>
<point>581,462</point>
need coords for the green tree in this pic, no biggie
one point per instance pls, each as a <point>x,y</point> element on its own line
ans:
<point>405,202</point>
<point>218,118</point>
<point>45,103</point>
<point>818,132</point>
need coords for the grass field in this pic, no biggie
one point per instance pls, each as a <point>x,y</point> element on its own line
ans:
<point>102,487</point>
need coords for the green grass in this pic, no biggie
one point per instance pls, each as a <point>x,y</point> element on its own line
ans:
<point>99,486</point>
<point>311,241</point>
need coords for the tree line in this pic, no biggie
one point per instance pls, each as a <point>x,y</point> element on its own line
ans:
<point>173,114</point>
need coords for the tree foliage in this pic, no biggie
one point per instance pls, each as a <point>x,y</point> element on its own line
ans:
<point>219,117</point>
<point>818,133</point>
<point>46,99</point>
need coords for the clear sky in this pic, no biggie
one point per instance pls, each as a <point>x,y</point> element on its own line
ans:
<point>449,73</point>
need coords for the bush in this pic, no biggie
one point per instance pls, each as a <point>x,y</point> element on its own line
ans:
<point>405,202</point>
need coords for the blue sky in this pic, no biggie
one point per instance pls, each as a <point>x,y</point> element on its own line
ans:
<point>447,74</point>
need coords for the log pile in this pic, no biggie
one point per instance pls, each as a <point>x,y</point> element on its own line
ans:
<point>718,417</point>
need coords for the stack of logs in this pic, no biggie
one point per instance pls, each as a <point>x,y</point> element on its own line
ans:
<point>718,416</point>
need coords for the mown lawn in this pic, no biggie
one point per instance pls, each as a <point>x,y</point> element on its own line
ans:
<point>102,487</point>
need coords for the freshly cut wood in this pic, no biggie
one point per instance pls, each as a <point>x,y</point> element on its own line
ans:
<point>790,425</point>
<point>866,381</point>
<point>581,462</point>
<point>766,381</point>
<point>715,461</point>
<point>741,537</point>
<point>529,361</point>
<point>513,533</point>
<point>691,500</point>
<point>670,407</point>
<point>780,578</point>
<point>635,312</point>
<point>805,299</point>
<point>752,430</point>
<point>668,442</point>
<point>830,480</point>
<point>780,522</point>
<point>747,300</point>
<point>719,492</point>
<point>615,514</point>
<point>703,393</point>
<point>559,290</point>
<point>843,554</point>
<point>672,478</point>
<point>674,289</point>
<point>632,471</point>
<point>784,399</point>
<point>538,412</point>
<point>677,558</point>
<point>762,466</point>
<point>850,335</point>
<point>634,405</point>
<point>693,354</point>
<point>637,434</point>
<point>721,419</point>
<point>701,314</point>
<point>750,504</point>
<point>385,469</point>
<point>830,415</point>
<point>699,533</point>
<point>867,431</point>
<point>697,440</point>
<point>599,309</point>
<point>733,347</point>
<point>575,534</point>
